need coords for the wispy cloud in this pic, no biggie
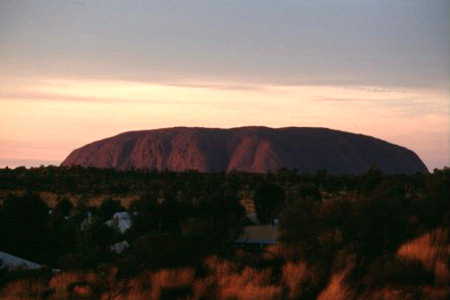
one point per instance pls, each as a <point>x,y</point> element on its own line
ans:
<point>51,116</point>
<point>115,90</point>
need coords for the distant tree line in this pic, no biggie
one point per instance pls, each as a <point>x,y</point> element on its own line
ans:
<point>180,218</point>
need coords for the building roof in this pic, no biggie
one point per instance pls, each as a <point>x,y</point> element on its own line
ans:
<point>259,234</point>
<point>11,262</point>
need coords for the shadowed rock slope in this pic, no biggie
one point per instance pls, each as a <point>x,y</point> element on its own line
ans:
<point>251,149</point>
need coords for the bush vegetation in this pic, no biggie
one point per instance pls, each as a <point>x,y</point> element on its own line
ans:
<point>372,236</point>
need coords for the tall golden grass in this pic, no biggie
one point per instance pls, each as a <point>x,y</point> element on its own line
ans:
<point>248,283</point>
<point>294,277</point>
<point>335,289</point>
<point>433,251</point>
<point>24,289</point>
<point>223,279</point>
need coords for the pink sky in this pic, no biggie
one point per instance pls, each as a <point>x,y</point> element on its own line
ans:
<point>45,118</point>
<point>72,72</point>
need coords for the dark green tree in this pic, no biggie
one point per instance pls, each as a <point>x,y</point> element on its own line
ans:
<point>24,220</point>
<point>269,199</point>
<point>109,207</point>
<point>62,209</point>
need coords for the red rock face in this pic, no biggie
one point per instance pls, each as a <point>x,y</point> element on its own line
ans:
<point>250,149</point>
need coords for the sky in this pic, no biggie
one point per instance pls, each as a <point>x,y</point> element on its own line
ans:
<point>72,72</point>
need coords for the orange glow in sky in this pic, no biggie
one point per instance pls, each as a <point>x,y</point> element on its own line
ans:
<point>46,118</point>
<point>72,72</point>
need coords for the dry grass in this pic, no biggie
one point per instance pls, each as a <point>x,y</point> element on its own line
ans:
<point>251,292</point>
<point>279,251</point>
<point>294,277</point>
<point>24,289</point>
<point>232,283</point>
<point>220,267</point>
<point>204,288</point>
<point>51,199</point>
<point>433,251</point>
<point>125,200</point>
<point>392,294</point>
<point>336,288</point>
<point>151,285</point>
<point>436,293</point>
<point>170,279</point>
<point>63,282</point>
<point>224,279</point>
